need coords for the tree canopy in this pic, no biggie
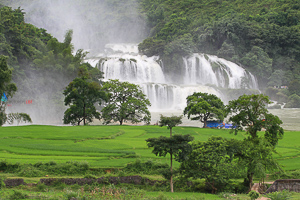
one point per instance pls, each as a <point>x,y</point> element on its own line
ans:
<point>177,145</point>
<point>126,102</point>
<point>211,160</point>
<point>250,112</point>
<point>81,95</point>
<point>204,106</point>
<point>170,122</point>
<point>6,87</point>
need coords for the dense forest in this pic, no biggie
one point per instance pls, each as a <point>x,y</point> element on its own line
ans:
<point>262,36</point>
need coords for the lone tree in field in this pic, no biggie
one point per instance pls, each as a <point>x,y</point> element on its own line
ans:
<point>81,95</point>
<point>249,112</point>
<point>126,101</point>
<point>204,106</point>
<point>177,145</point>
<point>170,122</point>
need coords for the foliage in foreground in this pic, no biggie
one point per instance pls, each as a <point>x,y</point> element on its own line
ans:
<point>279,195</point>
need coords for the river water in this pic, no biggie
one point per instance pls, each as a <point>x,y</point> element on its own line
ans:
<point>289,116</point>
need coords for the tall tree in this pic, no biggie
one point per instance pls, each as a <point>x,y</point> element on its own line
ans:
<point>81,95</point>
<point>249,112</point>
<point>204,106</point>
<point>7,89</point>
<point>126,101</point>
<point>170,122</point>
<point>177,145</point>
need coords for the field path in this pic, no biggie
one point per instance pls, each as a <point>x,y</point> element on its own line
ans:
<point>255,187</point>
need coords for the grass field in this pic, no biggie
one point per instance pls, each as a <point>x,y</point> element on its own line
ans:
<point>111,146</point>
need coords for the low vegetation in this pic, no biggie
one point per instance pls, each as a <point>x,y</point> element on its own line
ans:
<point>104,151</point>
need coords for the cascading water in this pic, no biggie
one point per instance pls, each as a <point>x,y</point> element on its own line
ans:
<point>122,61</point>
<point>201,69</point>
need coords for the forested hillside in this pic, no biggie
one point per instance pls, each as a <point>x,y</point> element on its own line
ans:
<point>42,66</point>
<point>263,36</point>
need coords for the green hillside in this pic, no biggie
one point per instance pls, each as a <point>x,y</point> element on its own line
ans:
<point>263,36</point>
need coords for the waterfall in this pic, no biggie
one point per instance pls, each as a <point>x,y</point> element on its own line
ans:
<point>207,69</point>
<point>202,73</point>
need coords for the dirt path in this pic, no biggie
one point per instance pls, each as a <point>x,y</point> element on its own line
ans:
<point>256,186</point>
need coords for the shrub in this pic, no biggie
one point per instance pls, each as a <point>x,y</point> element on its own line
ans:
<point>283,195</point>
<point>18,195</point>
<point>2,184</point>
<point>148,167</point>
<point>41,187</point>
<point>30,171</point>
<point>69,194</point>
<point>91,176</point>
<point>253,195</point>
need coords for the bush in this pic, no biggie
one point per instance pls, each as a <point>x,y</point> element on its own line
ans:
<point>69,194</point>
<point>18,195</point>
<point>91,176</point>
<point>253,195</point>
<point>41,187</point>
<point>283,195</point>
<point>30,171</point>
<point>148,167</point>
<point>2,184</point>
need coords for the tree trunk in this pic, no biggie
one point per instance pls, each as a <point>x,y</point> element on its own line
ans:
<point>121,121</point>
<point>84,114</point>
<point>249,180</point>
<point>171,179</point>
<point>171,169</point>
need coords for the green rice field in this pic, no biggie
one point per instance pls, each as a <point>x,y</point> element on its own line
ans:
<point>111,146</point>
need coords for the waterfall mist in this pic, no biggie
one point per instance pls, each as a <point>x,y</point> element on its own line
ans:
<point>94,22</point>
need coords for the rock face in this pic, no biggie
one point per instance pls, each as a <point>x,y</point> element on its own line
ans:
<point>285,184</point>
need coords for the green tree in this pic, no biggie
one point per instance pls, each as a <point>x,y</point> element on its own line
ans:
<point>258,62</point>
<point>170,122</point>
<point>204,106</point>
<point>249,112</point>
<point>294,87</point>
<point>293,101</point>
<point>5,87</point>
<point>126,101</point>
<point>255,158</point>
<point>81,95</point>
<point>177,145</point>
<point>211,160</point>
